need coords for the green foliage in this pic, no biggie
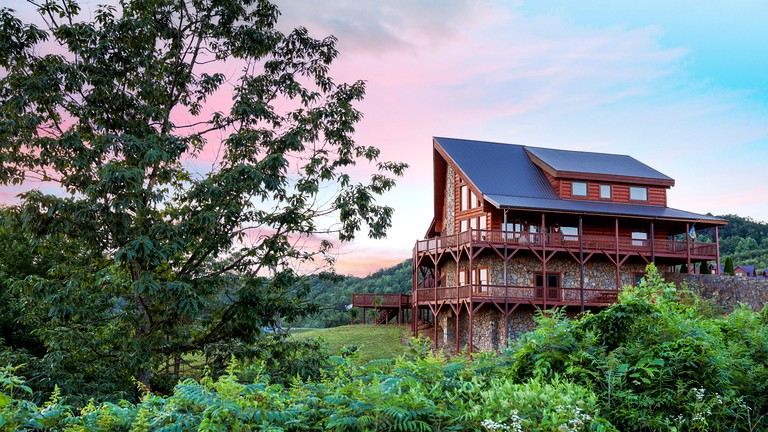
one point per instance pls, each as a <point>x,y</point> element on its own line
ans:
<point>655,363</point>
<point>650,362</point>
<point>420,393</point>
<point>168,253</point>
<point>704,268</point>
<point>744,239</point>
<point>728,267</point>
<point>334,296</point>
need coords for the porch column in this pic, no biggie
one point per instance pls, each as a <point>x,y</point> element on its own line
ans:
<point>717,250</point>
<point>543,261</point>
<point>415,290</point>
<point>581,262</point>
<point>653,245</point>
<point>618,275</point>
<point>688,246</point>
<point>506,281</point>
<point>436,280</point>
<point>471,290</point>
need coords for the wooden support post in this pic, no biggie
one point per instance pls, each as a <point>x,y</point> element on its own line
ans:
<point>543,261</point>
<point>471,290</point>
<point>717,251</point>
<point>506,281</point>
<point>653,245</point>
<point>688,246</point>
<point>435,276</point>
<point>581,262</point>
<point>618,260</point>
<point>363,315</point>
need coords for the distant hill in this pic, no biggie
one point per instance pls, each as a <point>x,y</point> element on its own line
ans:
<point>334,298</point>
<point>744,239</point>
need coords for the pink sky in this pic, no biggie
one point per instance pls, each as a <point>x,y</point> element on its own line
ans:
<point>552,74</point>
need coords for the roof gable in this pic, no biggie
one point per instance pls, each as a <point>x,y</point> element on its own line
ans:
<point>497,169</point>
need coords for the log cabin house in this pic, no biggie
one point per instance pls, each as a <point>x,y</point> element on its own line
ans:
<point>520,228</point>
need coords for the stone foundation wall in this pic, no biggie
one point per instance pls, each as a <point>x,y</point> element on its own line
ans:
<point>488,328</point>
<point>728,291</point>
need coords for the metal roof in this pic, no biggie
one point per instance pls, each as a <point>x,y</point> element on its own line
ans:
<point>596,163</point>
<point>597,208</point>
<point>508,178</point>
<point>503,169</point>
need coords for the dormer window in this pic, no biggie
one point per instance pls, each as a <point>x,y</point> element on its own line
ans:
<point>579,189</point>
<point>638,193</point>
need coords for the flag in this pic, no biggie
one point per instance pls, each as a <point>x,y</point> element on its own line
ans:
<point>692,233</point>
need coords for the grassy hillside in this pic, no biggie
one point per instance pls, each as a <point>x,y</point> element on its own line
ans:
<point>373,341</point>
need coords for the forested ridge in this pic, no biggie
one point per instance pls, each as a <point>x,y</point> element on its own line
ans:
<point>745,240</point>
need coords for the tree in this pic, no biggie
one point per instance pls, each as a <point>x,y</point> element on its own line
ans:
<point>187,254</point>
<point>728,267</point>
<point>704,268</point>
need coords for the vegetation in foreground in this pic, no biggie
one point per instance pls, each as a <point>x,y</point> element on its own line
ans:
<point>657,360</point>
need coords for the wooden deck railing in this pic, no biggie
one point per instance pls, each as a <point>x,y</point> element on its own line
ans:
<point>520,294</point>
<point>590,243</point>
<point>381,300</point>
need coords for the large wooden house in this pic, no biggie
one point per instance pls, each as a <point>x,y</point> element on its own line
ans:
<point>520,228</point>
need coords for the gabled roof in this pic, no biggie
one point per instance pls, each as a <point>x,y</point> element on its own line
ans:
<point>595,166</point>
<point>750,269</point>
<point>507,177</point>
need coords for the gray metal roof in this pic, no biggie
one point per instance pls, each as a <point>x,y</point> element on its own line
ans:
<point>596,207</point>
<point>596,163</point>
<point>503,169</point>
<point>507,178</point>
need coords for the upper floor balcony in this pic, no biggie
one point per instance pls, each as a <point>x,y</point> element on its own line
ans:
<point>611,244</point>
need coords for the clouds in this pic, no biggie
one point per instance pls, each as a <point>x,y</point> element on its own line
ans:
<point>379,27</point>
<point>559,75</point>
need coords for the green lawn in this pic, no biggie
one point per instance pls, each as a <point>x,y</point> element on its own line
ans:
<point>374,341</point>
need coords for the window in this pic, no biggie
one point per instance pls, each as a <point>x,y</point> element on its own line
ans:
<point>464,198</point>
<point>463,226</point>
<point>637,277</point>
<point>570,233</point>
<point>605,191</point>
<point>472,200</point>
<point>639,238</point>
<point>482,222</point>
<point>481,279</point>
<point>638,193</point>
<point>473,223</point>
<point>463,276</point>
<point>553,285</point>
<point>579,189</point>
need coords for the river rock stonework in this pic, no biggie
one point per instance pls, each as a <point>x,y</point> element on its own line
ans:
<point>449,203</point>
<point>726,291</point>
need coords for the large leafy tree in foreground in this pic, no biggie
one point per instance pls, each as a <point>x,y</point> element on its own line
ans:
<point>195,217</point>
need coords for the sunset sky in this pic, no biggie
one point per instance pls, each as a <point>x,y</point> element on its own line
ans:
<point>681,86</point>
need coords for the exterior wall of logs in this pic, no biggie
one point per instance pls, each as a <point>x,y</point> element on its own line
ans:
<point>485,286</point>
